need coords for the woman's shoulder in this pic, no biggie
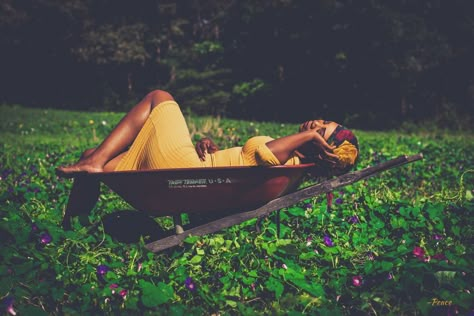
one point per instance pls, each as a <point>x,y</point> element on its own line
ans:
<point>255,142</point>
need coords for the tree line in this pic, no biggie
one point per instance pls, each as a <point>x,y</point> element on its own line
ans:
<point>366,63</point>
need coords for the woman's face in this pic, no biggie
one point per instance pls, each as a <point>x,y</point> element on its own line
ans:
<point>323,128</point>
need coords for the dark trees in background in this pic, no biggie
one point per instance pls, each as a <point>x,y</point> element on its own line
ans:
<point>366,63</point>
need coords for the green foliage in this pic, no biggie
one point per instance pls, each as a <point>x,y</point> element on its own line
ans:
<point>208,47</point>
<point>110,45</point>
<point>201,83</point>
<point>375,64</point>
<point>247,89</point>
<point>400,242</point>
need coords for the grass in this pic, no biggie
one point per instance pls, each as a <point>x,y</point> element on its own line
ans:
<point>396,244</point>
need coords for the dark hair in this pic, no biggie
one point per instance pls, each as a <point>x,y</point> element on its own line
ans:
<point>340,134</point>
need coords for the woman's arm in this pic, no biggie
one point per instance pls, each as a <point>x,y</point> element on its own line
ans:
<point>283,148</point>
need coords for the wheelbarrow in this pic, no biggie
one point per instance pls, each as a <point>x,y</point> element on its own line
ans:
<point>242,192</point>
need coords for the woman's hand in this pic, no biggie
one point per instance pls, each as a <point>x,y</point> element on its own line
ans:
<point>310,125</point>
<point>205,145</point>
<point>323,150</point>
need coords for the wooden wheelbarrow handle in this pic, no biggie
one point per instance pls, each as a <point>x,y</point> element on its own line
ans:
<point>282,202</point>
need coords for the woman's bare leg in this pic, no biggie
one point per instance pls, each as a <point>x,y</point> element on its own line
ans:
<point>121,136</point>
<point>85,191</point>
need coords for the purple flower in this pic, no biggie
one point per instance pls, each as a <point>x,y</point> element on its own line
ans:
<point>8,304</point>
<point>370,255</point>
<point>419,252</point>
<point>102,270</point>
<point>34,227</point>
<point>354,219</point>
<point>390,276</point>
<point>327,241</point>
<point>113,286</point>
<point>357,280</point>
<point>45,238</point>
<point>123,293</point>
<point>189,283</point>
<point>5,174</point>
<point>309,240</point>
<point>437,237</point>
<point>339,201</point>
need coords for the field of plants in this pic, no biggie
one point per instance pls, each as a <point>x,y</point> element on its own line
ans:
<point>400,243</point>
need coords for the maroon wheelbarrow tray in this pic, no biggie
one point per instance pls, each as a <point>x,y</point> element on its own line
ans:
<point>242,192</point>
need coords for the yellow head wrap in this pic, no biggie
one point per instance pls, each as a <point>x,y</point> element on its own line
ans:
<point>347,154</point>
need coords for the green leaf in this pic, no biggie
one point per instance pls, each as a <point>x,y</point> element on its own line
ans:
<point>415,211</point>
<point>248,280</point>
<point>469,195</point>
<point>289,249</point>
<point>445,277</point>
<point>387,266</point>
<point>307,255</point>
<point>276,286</point>
<point>314,289</point>
<point>270,248</point>
<point>297,211</point>
<point>153,296</point>
<point>199,251</point>
<point>196,259</point>
<point>191,239</point>
<point>403,211</point>
<point>456,230</point>
<point>231,303</point>
<point>435,210</point>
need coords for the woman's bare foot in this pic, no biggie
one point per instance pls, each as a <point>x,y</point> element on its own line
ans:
<point>82,166</point>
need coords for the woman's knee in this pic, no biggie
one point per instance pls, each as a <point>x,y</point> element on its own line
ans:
<point>159,96</point>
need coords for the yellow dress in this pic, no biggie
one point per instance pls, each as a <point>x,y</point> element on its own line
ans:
<point>164,142</point>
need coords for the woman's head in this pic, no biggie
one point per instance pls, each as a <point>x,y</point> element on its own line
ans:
<point>345,142</point>
<point>347,148</point>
